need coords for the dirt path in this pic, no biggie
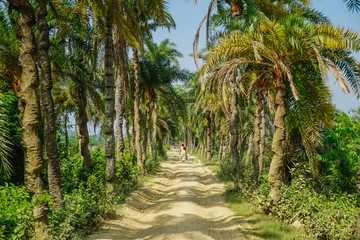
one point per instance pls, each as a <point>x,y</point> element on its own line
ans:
<point>183,201</point>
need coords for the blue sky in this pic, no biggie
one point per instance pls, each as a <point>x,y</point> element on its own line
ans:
<point>187,17</point>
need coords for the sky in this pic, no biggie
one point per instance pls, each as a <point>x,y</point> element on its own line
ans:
<point>187,17</point>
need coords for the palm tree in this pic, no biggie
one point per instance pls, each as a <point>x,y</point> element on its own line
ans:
<point>31,113</point>
<point>48,108</point>
<point>156,12</point>
<point>271,51</point>
<point>5,144</point>
<point>353,5</point>
<point>10,75</point>
<point>109,109</point>
<point>69,60</point>
<point>246,13</point>
<point>159,69</point>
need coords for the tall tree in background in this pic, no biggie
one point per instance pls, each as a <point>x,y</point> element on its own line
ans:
<point>31,114</point>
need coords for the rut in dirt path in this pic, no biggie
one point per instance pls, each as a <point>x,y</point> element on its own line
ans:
<point>183,201</point>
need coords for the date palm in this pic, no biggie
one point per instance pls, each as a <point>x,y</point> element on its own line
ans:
<point>10,76</point>
<point>275,50</point>
<point>30,113</point>
<point>149,14</point>
<point>353,5</point>
<point>48,107</point>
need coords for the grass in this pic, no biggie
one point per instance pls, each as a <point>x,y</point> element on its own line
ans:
<point>263,226</point>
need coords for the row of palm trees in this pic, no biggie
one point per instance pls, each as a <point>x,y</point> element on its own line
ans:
<point>264,81</point>
<point>81,49</point>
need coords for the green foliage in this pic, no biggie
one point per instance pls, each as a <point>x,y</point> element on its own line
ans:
<point>322,217</point>
<point>127,174</point>
<point>15,213</point>
<point>10,137</point>
<point>339,155</point>
<point>86,200</point>
<point>152,165</point>
<point>81,212</point>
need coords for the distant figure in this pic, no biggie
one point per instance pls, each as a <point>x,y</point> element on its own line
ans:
<point>174,146</point>
<point>182,152</point>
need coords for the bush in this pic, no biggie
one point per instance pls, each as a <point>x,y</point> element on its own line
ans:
<point>127,174</point>
<point>86,201</point>
<point>323,217</point>
<point>80,214</point>
<point>15,213</point>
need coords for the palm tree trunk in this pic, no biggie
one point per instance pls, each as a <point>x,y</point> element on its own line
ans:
<point>212,135</point>
<point>133,136</point>
<point>234,121</point>
<point>262,137</point>
<point>54,176</point>
<point>29,107</point>
<point>255,170</point>
<point>250,149</point>
<point>109,111</point>
<point>154,138</point>
<point>119,112</point>
<point>226,144</point>
<point>127,128</point>
<point>119,94</point>
<point>147,128</point>
<point>190,147</point>
<point>257,137</point>
<point>184,132</point>
<point>242,148</point>
<point>278,138</point>
<point>208,135</point>
<point>220,154</point>
<point>81,121</point>
<point>137,128</point>
<point>66,135</point>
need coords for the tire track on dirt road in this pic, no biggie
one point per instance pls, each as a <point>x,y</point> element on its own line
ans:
<point>183,201</point>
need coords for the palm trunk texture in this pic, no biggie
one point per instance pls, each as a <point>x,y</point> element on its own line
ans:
<point>257,137</point>
<point>119,94</point>
<point>119,113</point>
<point>66,135</point>
<point>154,136</point>
<point>234,121</point>
<point>127,129</point>
<point>262,137</point>
<point>147,129</point>
<point>137,128</point>
<point>81,122</point>
<point>208,135</point>
<point>54,176</point>
<point>109,111</point>
<point>279,136</point>
<point>250,149</point>
<point>31,114</point>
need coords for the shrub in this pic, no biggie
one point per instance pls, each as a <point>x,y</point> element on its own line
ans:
<point>80,214</point>
<point>323,217</point>
<point>15,213</point>
<point>127,174</point>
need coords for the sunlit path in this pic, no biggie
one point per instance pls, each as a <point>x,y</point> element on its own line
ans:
<point>184,201</point>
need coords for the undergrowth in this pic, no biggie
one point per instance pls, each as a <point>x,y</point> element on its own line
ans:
<point>320,215</point>
<point>263,226</point>
<point>86,201</point>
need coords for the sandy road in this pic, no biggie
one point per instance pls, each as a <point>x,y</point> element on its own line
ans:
<point>183,201</point>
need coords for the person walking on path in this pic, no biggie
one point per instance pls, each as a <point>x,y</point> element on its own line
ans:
<point>182,152</point>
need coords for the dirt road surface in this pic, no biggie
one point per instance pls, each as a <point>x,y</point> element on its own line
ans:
<point>183,201</point>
